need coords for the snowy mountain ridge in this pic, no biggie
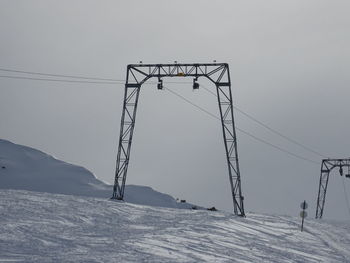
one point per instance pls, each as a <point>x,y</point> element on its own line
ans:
<point>25,168</point>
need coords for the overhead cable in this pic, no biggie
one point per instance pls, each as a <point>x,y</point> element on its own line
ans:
<point>110,81</point>
<point>60,75</point>
<point>243,131</point>
<point>105,80</point>
<point>59,80</point>
<point>269,128</point>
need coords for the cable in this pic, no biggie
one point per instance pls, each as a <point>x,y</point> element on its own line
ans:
<point>60,80</point>
<point>243,131</point>
<point>70,76</point>
<point>80,81</point>
<point>269,128</point>
<point>60,75</point>
<point>119,81</point>
<point>278,148</point>
<point>190,102</point>
<point>280,134</point>
<point>346,196</point>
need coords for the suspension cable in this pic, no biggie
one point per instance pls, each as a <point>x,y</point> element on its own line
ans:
<point>110,81</point>
<point>268,127</point>
<point>243,131</point>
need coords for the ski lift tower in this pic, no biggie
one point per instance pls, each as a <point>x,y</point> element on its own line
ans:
<point>219,75</point>
<point>327,166</point>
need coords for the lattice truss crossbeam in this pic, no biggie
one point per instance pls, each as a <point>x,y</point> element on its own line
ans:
<point>217,73</point>
<point>327,166</point>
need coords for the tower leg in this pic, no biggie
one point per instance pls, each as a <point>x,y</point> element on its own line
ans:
<point>131,96</point>
<point>322,190</point>
<point>230,140</point>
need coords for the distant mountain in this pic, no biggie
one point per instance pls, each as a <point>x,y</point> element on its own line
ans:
<point>25,168</point>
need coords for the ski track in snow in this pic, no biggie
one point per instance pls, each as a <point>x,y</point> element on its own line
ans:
<point>42,227</point>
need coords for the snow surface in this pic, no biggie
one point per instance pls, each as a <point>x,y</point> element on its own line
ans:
<point>43,227</point>
<point>25,168</point>
<point>63,214</point>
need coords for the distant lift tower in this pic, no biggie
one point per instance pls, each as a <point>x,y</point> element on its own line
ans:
<point>217,73</point>
<point>326,167</point>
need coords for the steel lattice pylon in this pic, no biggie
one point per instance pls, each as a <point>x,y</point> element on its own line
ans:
<point>219,74</point>
<point>326,167</point>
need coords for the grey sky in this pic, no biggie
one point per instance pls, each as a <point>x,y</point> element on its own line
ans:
<point>289,64</point>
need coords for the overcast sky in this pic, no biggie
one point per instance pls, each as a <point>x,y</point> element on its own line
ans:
<point>289,63</point>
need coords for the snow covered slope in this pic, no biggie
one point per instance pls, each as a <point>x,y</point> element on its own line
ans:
<point>39,224</point>
<point>26,168</point>
<point>42,227</point>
